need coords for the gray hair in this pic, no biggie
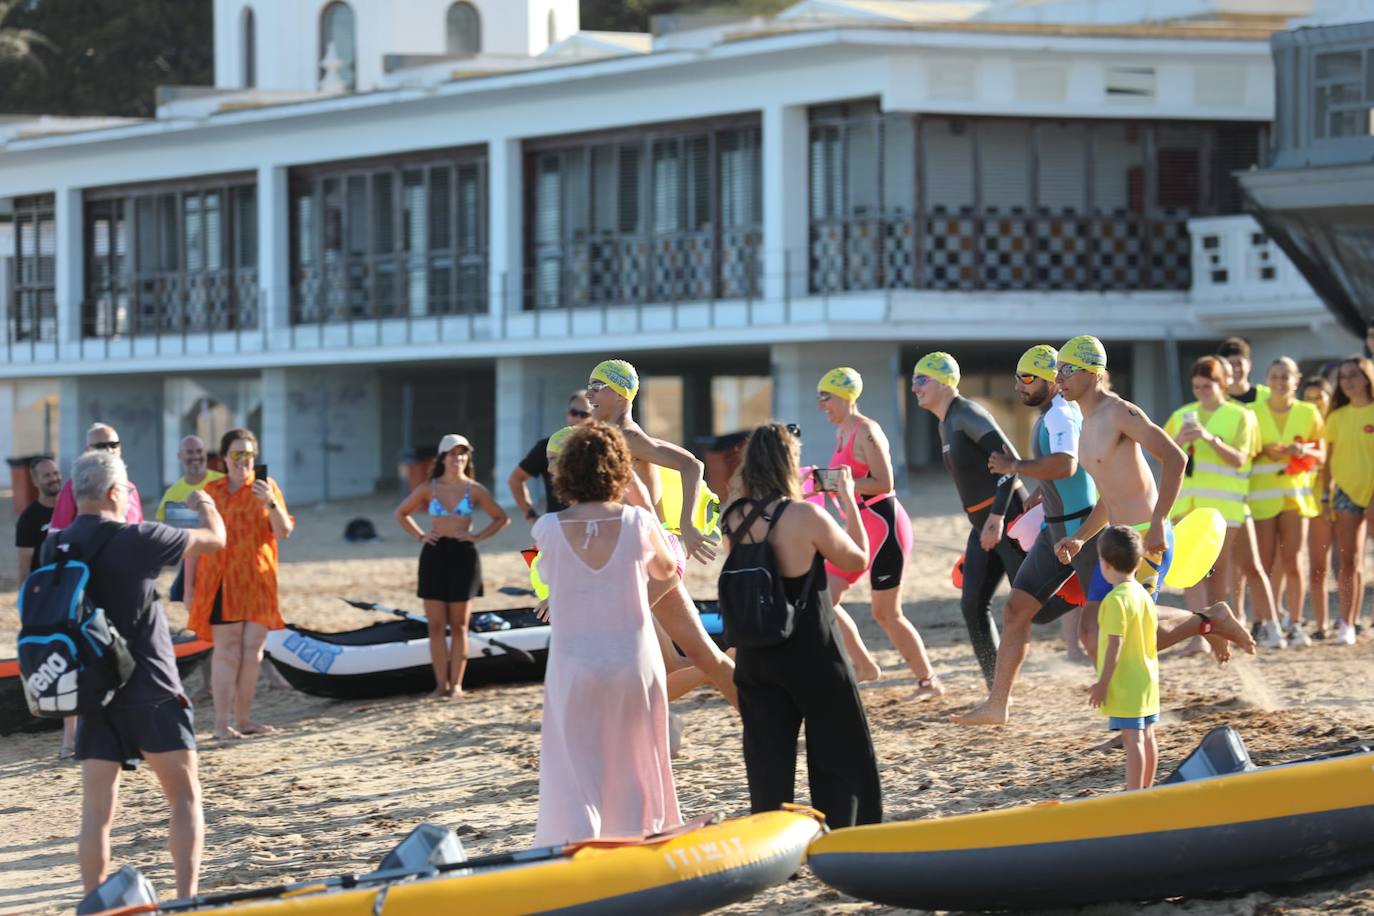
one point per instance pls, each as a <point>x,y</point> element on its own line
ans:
<point>97,427</point>
<point>94,473</point>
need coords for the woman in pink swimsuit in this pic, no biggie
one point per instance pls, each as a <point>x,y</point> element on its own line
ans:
<point>861,446</point>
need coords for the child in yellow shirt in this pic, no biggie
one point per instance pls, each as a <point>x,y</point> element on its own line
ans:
<point>1127,687</point>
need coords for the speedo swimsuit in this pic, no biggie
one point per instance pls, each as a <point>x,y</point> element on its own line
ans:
<point>1151,571</point>
<point>887,524</point>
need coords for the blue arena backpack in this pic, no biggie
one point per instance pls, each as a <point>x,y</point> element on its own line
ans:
<point>753,604</point>
<point>71,658</point>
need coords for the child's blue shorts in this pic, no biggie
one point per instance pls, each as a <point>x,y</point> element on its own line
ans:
<point>1117,723</point>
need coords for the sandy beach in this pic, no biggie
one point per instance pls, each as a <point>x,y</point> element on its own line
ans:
<point>340,782</point>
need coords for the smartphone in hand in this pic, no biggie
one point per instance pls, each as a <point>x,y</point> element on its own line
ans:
<point>259,472</point>
<point>827,480</point>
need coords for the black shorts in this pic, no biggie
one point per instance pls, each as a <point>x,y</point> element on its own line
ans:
<point>124,734</point>
<point>1041,574</point>
<point>450,570</point>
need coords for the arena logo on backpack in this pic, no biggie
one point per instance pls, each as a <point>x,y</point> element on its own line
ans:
<point>71,658</point>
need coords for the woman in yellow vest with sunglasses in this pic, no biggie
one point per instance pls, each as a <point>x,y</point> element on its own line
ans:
<point>1219,439</point>
<point>1282,496</point>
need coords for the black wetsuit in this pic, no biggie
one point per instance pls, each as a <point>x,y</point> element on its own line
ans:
<point>808,678</point>
<point>969,434</point>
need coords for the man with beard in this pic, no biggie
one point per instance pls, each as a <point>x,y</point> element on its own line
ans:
<point>1067,495</point>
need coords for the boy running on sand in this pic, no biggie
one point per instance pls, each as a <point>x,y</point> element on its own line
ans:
<point>1127,687</point>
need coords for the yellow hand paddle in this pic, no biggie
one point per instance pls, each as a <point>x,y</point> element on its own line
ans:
<point>1197,544</point>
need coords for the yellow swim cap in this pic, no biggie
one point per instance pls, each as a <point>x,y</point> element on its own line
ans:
<point>844,382</point>
<point>1085,352</point>
<point>1040,361</point>
<point>558,440</point>
<point>619,376</point>
<point>939,366</point>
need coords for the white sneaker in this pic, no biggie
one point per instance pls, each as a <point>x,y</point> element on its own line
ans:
<point>1297,637</point>
<point>1345,635</point>
<point>1271,637</point>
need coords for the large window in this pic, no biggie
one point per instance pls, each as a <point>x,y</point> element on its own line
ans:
<point>647,216</point>
<point>33,314</point>
<point>389,238</point>
<point>171,259</point>
<point>338,35</point>
<point>899,201</point>
<point>464,29</point>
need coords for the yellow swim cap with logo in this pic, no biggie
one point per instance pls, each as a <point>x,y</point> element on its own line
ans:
<point>844,382</point>
<point>939,366</point>
<point>1040,361</point>
<point>619,376</point>
<point>1085,352</point>
<point>554,448</point>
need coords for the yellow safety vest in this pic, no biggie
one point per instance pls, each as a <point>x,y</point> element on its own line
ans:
<point>1213,483</point>
<point>1271,489</point>
<point>1262,393</point>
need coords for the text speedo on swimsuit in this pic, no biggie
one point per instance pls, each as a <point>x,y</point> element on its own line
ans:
<point>887,524</point>
<point>437,508</point>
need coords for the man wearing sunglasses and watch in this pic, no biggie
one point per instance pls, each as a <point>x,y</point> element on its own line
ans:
<point>536,463</point>
<point>100,437</point>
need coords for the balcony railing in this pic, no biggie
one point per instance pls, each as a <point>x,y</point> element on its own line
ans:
<point>174,303</point>
<point>990,250</point>
<point>610,269</point>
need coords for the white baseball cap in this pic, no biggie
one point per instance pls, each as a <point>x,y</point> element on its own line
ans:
<point>452,441</point>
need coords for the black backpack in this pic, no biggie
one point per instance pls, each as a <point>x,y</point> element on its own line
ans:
<point>753,603</point>
<point>71,658</point>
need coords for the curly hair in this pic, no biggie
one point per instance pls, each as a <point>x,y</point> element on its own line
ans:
<point>595,466</point>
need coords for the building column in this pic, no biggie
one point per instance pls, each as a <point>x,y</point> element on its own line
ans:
<point>785,202</point>
<point>505,216</point>
<point>274,438</point>
<point>1153,375</point>
<point>798,367</point>
<point>71,265</point>
<point>274,249</point>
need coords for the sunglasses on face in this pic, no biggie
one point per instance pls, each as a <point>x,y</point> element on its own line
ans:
<point>795,430</point>
<point>919,381</point>
<point>241,455</point>
<point>1025,378</point>
<point>106,446</point>
<point>579,414</point>
<point>823,397</point>
<point>1067,370</point>
<point>596,387</point>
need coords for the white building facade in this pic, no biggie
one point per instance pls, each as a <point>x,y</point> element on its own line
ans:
<point>401,224</point>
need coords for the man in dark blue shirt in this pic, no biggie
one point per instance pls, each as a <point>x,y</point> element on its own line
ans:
<point>149,717</point>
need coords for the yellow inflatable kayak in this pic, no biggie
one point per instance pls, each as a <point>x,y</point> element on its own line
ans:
<point>692,871</point>
<point>1207,836</point>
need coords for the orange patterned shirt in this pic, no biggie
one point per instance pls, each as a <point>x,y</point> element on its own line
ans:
<point>247,566</point>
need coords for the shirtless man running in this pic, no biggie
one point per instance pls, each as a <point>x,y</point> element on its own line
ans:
<point>1114,432</point>
<point>611,389</point>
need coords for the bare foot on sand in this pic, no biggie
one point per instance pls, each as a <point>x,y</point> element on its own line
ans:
<point>985,713</point>
<point>927,688</point>
<point>438,693</point>
<point>254,728</point>
<point>1226,629</point>
<point>227,734</point>
<point>453,694</point>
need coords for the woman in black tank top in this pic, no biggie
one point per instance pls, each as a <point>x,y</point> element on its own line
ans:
<point>808,677</point>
